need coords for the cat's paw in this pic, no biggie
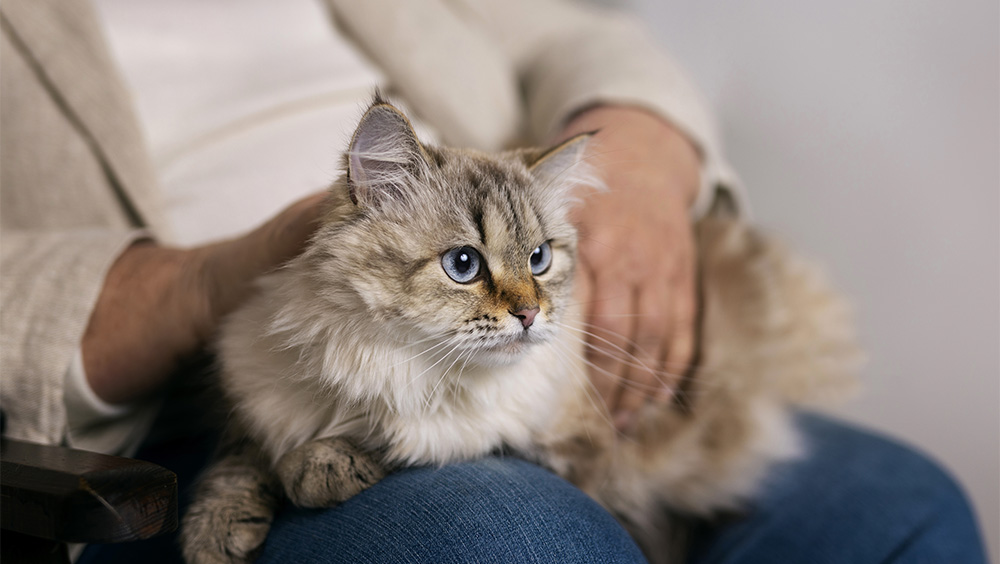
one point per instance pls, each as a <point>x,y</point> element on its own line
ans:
<point>325,472</point>
<point>228,525</point>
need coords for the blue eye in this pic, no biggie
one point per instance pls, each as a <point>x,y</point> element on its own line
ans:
<point>461,264</point>
<point>541,259</point>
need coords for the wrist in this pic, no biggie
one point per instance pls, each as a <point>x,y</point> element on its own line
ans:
<point>141,325</point>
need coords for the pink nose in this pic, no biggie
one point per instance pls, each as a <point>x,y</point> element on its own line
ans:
<point>527,316</point>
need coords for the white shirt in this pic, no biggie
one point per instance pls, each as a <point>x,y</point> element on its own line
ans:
<point>246,106</point>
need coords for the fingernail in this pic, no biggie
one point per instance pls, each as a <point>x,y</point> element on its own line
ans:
<point>623,421</point>
<point>665,395</point>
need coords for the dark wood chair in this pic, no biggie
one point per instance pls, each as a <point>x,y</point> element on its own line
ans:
<point>50,496</point>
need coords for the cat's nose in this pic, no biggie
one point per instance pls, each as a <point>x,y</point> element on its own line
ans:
<point>527,315</point>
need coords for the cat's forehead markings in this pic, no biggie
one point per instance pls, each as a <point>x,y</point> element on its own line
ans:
<point>490,169</point>
<point>496,224</point>
<point>499,210</point>
<point>482,188</point>
<point>477,219</point>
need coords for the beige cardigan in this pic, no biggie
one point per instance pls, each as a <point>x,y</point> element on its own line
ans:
<point>76,184</point>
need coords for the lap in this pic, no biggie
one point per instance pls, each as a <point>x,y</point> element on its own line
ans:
<point>854,497</point>
<point>491,510</point>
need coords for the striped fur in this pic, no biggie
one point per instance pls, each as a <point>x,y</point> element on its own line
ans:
<point>363,347</point>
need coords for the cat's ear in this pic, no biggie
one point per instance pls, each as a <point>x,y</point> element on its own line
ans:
<point>564,166</point>
<point>385,157</point>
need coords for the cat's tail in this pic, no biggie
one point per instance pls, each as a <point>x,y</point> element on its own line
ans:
<point>773,318</point>
<point>233,506</point>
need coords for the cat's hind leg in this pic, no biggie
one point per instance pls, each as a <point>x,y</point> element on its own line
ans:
<point>325,472</point>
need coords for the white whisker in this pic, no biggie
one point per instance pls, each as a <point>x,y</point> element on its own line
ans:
<point>637,363</point>
<point>706,376</point>
<point>600,408</point>
<point>444,356</point>
<point>442,343</point>
<point>444,373</point>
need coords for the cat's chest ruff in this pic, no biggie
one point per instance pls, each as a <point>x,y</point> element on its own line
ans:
<point>506,410</point>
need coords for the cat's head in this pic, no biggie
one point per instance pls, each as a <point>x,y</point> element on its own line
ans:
<point>473,251</point>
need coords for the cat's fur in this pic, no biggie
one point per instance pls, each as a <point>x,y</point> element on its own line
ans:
<point>362,354</point>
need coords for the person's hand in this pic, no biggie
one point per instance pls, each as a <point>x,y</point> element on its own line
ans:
<point>636,273</point>
<point>159,304</point>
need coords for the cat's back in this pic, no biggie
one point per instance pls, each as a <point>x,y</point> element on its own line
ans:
<point>773,334</point>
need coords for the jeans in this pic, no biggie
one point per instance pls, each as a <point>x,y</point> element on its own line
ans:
<point>855,498</point>
<point>489,511</point>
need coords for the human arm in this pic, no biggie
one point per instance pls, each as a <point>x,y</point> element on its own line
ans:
<point>159,304</point>
<point>112,292</point>
<point>49,282</point>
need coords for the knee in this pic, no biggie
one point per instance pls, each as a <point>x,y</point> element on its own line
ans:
<point>853,497</point>
<point>482,511</point>
<point>881,470</point>
<point>891,490</point>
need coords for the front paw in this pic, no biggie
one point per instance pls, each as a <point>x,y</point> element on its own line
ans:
<point>230,517</point>
<point>325,472</point>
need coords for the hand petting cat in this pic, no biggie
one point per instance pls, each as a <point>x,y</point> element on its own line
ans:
<point>635,279</point>
<point>159,304</point>
<point>636,273</point>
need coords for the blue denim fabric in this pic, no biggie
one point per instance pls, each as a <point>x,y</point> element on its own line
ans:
<point>488,511</point>
<point>856,498</point>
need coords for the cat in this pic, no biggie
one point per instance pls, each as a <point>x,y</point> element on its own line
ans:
<point>431,320</point>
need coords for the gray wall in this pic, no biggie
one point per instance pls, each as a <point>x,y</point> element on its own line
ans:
<point>867,134</point>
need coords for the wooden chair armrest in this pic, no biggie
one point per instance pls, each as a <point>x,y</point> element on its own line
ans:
<point>70,495</point>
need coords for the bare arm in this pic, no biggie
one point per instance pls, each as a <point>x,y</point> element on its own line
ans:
<point>159,304</point>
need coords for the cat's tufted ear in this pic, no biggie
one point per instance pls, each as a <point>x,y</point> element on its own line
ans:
<point>563,166</point>
<point>385,157</point>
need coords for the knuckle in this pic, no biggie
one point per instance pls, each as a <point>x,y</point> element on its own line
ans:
<point>631,400</point>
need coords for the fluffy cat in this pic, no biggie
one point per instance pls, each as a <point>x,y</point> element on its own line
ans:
<point>430,320</point>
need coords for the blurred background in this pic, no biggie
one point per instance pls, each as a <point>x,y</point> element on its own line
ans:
<point>868,135</point>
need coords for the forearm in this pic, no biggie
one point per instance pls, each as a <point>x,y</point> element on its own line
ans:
<point>160,304</point>
<point>50,283</point>
<point>143,322</point>
<point>571,56</point>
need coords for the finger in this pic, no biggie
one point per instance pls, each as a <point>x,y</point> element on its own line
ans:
<point>609,329</point>
<point>641,379</point>
<point>680,347</point>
